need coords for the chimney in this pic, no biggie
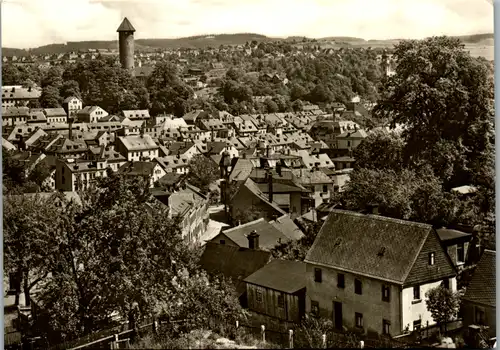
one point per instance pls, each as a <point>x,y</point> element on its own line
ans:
<point>270,182</point>
<point>278,169</point>
<point>253,240</point>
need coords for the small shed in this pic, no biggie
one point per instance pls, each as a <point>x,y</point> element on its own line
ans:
<point>278,290</point>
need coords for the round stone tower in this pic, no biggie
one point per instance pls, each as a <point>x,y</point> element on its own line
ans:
<point>126,44</point>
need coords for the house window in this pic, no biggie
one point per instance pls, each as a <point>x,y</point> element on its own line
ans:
<point>358,286</point>
<point>417,324</point>
<point>258,296</point>
<point>479,316</point>
<point>416,293</point>
<point>222,241</point>
<point>460,253</point>
<point>317,275</point>
<point>325,188</point>
<point>386,326</point>
<point>281,302</point>
<point>359,319</point>
<point>431,258</point>
<point>341,280</point>
<point>386,293</point>
<point>446,283</point>
<point>314,308</point>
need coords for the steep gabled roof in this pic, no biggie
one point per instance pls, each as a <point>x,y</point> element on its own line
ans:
<point>126,26</point>
<point>482,287</point>
<point>241,170</point>
<point>253,188</point>
<point>286,225</point>
<point>375,246</point>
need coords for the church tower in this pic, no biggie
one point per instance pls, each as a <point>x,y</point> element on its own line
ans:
<point>126,44</point>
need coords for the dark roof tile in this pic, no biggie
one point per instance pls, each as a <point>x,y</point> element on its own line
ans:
<point>233,262</point>
<point>126,26</point>
<point>351,241</point>
<point>282,275</point>
<point>482,287</point>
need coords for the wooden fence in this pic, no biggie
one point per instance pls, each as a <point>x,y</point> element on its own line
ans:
<point>279,336</point>
<point>103,338</point>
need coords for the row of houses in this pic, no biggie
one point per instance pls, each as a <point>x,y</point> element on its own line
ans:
<point>364,272</point>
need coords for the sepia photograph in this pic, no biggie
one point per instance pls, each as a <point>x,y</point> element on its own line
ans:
<point>248,174</point>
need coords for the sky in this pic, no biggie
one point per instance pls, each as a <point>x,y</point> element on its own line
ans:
<point>33,23</point>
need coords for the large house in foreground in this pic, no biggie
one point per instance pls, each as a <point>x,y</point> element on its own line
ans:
<point>370,273</point>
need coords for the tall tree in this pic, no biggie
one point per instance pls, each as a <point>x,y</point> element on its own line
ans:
<point>50,97</point>
<point>202,172</point>
<point>118,249</point>
<point>28,223</point>
<point>444,97</point>
<point>70,88</point>
<point>380,150</point>
<point>443,304</point>
<point>405,194</point>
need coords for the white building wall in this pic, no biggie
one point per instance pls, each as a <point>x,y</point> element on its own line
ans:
<point>413,310</point>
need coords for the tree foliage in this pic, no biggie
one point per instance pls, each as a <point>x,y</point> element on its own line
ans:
<point>296,250</point>
<point>405,194</point>
<point>103,83</point>
<point>202,172</point>
<point>380,150</point>
<point>117,249</point>
<point>443,304</point>
<point>444,97</point>
<point>167,92</point>
<point>27,227</point>
<point>250,214</point>
<point>50,97</point>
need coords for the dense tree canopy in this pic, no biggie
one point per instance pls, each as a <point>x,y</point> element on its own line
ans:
<point>380,150</point>
<point>202,172</point>
<point>98,259</point>
<point>444,97</point>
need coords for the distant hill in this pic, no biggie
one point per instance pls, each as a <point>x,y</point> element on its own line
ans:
<point>476,38</point>
<point>214,40</point>
<point>203,41</point>
<point>342,39</point>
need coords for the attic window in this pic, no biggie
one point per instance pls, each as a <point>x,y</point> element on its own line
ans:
<point>431,258</point>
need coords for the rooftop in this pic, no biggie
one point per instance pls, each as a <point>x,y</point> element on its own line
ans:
<point>282,275</point>
<point>126,26</point>
<point>269,235</point>
<point>482,287</point>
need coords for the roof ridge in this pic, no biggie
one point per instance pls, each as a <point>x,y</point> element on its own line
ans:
<point>383,218</point>
<point>246,224</point>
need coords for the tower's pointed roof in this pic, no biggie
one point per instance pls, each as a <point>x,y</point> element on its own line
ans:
<point>126,26</point>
